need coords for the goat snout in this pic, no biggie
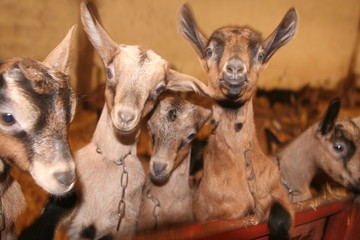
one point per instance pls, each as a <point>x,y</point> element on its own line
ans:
<point>159,172</point>
<point>126,116</point>
<point>234,69</point>
<point>65,178</point>
<point>159,168</point>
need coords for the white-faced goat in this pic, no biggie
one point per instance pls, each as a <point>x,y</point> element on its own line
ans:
<point>239,179</point>
<point>110,175</point>
<point>36,106</point>
<point>331,145</point>
<point>167,196</point>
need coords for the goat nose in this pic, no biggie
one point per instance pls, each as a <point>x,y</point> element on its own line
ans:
<point>159,168</point>
<point>235,66</point>
<point>126,116</point>
<point>65,178</point>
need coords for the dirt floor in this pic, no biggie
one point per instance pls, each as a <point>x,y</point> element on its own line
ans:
<point>286,113</point>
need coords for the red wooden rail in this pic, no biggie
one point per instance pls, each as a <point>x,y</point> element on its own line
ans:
<point>336,220</point>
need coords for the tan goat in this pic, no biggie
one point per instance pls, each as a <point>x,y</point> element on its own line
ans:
<point>331,145</point>
<point>167,197</point>
<point>110,175</point>
<point>36,106</point>
<point>238,178</point>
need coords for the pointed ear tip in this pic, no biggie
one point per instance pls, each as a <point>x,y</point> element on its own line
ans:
<point>292,13</point>
<point>336,102</point>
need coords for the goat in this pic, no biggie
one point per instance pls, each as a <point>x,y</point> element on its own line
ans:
<point>108,164</point>
<point>330,145</point>
<point>36,106</point>
<point>239,178</point>
<point>167,196</point>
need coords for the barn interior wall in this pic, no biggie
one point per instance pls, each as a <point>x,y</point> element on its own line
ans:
<point>324,50</point>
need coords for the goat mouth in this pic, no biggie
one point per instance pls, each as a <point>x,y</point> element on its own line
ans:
<point>233,88</point>
<point>125,131</point>
<point>160,179</point>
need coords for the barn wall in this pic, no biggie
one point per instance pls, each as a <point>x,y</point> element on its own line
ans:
<point>319,55</point>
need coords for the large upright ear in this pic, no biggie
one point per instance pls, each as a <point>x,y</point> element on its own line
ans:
<point>282,34</point>
<point>189,29</point>
<point>179,82</point>
<point>328,121</point>
<point>59,57</point>
<point>98,37</point>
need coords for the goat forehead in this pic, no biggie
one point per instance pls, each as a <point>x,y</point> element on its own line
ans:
<point>241,37</point>
<point>240,41</point>
<point>350,129</point>
<point>137,68</point>
<point>173,116</point>
<point>32,92</point>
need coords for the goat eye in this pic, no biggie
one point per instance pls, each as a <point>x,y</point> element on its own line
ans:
<point>8,119</point>
<point>191,136</point>
<point>109,74</point>
<point>160,89</point>
<point>209,52</point>
<point>260,56</point>
<point>338,147</point>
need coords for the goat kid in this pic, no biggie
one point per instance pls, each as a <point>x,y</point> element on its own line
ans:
<point>332,145</point>
<point>108,164</point>
<point>36,106</point>
<point>167,196</point>
<point>238,177</point>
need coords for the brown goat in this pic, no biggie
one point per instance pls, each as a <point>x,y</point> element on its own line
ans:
<point>238,178</point>
<point>36,106</point>
<point>331,145</point>
<point>110,175</point>
<point>167,197</point>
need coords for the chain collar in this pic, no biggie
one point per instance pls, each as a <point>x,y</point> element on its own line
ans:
<point>251,181</point>
<point>156,211</point>
<point>292,192</point>
<point>124,180</point>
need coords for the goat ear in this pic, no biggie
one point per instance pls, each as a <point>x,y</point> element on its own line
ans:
<point>328,121</point>
<point>59,57</point>
<point>98,37</point>
<point>202,115</point>
<point>179,82</point>
<point>282,34</point>
<point>189,29</point>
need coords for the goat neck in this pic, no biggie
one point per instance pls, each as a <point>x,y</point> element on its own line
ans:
<point>112,145</point>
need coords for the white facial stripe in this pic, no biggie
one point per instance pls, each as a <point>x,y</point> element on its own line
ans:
<point>24,112</point>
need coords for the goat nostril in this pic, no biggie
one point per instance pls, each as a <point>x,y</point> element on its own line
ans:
<point>65,178</point>
<point>159,168</point>
<point>235,66</point>
<point>126,117</point>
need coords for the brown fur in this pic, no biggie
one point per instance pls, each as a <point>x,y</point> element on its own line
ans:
<point>173,126</point>
<point>238,178</point>
<point>300,160</point>
<point>135,78</point>
<point>36,140</point>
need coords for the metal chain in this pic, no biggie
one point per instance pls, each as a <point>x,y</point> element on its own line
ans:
<point>251,180</point>
<point>2,219</point>
<point>123,183</point>
<point>124,179</point>
<point>156,211</point>
<point>290,190</point>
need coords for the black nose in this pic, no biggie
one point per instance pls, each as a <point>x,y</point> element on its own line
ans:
<point>65,178</point>
<point>234,67</point>
<point>159,168</point>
